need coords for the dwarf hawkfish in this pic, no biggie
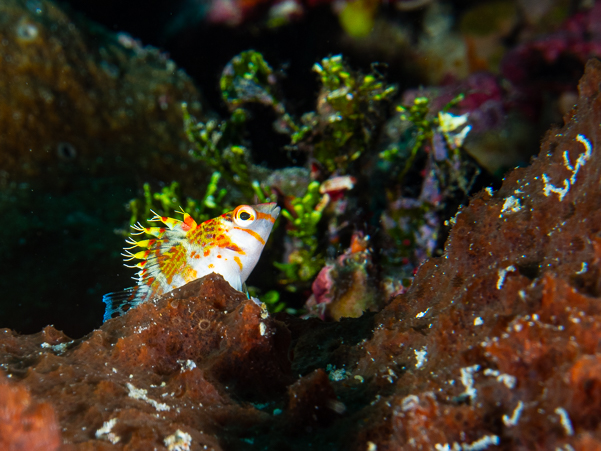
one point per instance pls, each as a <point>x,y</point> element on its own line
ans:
<point>230,245</point>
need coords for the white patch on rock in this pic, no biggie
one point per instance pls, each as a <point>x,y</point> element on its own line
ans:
<point>140,393</point>
<point>178,441</point>
<point>105,431</point>
<point>420,357</point>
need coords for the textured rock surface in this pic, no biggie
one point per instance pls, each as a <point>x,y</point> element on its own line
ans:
<point>75,95</point>
<point>495,345</point>
<point>176,365</point>
<point>24,423</point>
<point>497,340</point>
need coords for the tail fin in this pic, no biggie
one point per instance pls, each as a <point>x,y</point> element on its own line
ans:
<point>119,302</point>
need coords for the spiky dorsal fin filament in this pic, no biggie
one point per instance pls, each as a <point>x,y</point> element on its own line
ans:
<point>139,230</point>
<point>131,241</point>
<point>142,255</point>
<point>154,231</point>
<point>188,223</point>
<point>137,265</point>
<point>141,243</point>
<point>169,222</point>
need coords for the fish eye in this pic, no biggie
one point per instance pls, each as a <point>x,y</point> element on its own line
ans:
<point>244,215</point>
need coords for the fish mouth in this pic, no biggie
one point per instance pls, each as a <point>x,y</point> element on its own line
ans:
<point>270,208</point>
<point>274,210</point>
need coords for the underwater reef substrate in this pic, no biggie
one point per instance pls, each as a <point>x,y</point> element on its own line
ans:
<point>494,346</point>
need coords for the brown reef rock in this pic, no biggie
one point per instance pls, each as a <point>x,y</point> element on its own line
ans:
<point>162,368</point>
<point>24,423</point>
<point>75,96</point>
<point>497,344</point>
<point>498,341</point>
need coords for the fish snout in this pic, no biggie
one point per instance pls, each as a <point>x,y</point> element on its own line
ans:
<point>274,210</point>
<point>270,209</point>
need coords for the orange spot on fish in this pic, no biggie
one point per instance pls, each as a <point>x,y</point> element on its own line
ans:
<point>191,223</point>
<point>265,216</point>
<point>219,256</point>
<point>237,260</point>
<point>253,233</point>
<point>235,248</point>
<point>211,266</point>
<point>206,252</point>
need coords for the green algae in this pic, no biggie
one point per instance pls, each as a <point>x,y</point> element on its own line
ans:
<point>169,199</point>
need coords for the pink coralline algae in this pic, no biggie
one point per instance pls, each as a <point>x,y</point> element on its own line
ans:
<point>564,51</point>
<point>494,346</point>
<point>482,99</point>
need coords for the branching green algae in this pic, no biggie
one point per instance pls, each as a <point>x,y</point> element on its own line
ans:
<point>169,199</point>
<point>432,143</point>
<point>350,109</point>
<point>305,260</point>
<point>218,144</point>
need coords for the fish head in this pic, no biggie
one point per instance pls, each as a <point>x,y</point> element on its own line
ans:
<point>250,228</point>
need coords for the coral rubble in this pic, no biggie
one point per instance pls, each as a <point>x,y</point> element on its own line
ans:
<point>494,346</point>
